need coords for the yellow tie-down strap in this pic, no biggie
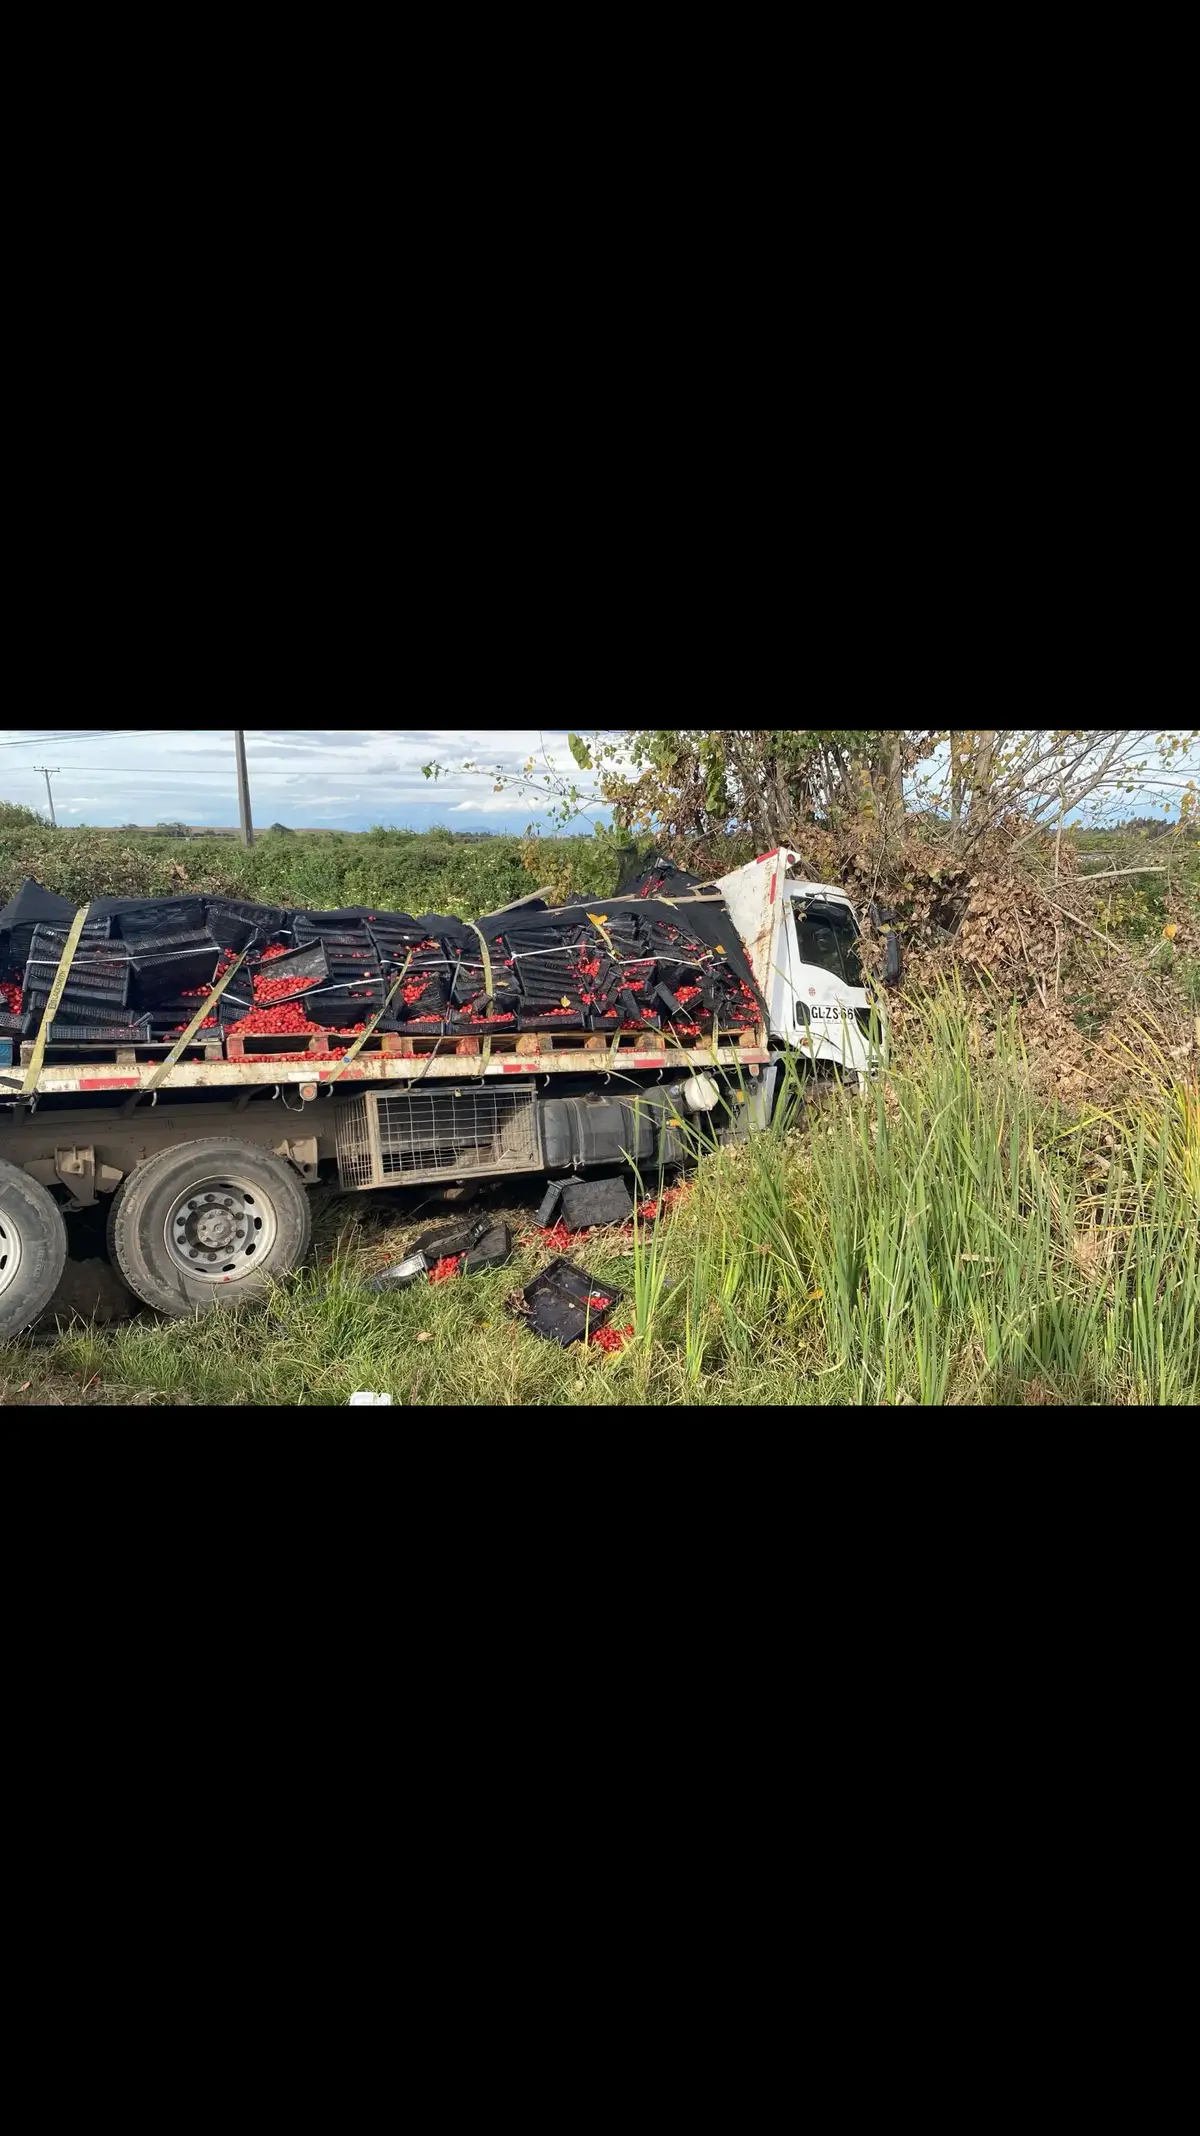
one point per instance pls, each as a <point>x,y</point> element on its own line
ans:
<point>205,1008</point>
<point>56,994</point>
<point>486,1055</point>
<point>363,1036</point>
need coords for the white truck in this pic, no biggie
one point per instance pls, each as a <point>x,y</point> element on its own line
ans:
<point>206,1174</point>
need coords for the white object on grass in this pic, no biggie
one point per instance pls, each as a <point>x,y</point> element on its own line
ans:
<point>367,1401</point>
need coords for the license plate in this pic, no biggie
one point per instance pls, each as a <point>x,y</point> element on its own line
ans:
<point>829,1012</point>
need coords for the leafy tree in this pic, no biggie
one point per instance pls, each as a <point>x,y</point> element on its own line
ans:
<point>770,783</point>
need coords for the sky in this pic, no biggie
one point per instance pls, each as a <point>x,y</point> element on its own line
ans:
<point>314,777</point>
<point>307,777</point>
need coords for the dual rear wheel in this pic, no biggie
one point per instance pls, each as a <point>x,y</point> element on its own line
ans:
<point>208,1223</point>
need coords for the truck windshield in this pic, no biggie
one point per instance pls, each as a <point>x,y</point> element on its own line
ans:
<point>827,935</point>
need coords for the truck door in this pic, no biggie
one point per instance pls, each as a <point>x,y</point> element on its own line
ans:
<point>831,1008</point>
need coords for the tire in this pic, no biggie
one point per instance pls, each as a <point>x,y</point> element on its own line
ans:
<point>209,1223</point>
<point>33,1250</point>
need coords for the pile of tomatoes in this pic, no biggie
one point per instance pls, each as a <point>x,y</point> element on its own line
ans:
<point>610,1338</point>
<point>268,990</point>
<point>288,1016</point>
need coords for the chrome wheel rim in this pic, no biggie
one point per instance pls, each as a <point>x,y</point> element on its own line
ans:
<point>10,1251</point>
<point>220,1229</point>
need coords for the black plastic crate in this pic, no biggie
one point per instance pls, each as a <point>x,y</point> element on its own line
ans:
<point>169,1012</point>
<point>586,1202</point>
<point>177,1005</point>
<point>168,972</point>
<point>77,1010</point>
<point>466,984</point>
<point>335,916</point>
<point>41,971</point>
<point>333,937</point>
<point>339,1006</point>
<point>430,1003</point>
<point>89,956</point>
<point>234,933</point>
<point>172,944</point>
<point>395,942</point>
<point>493,1251</point>
<point>115,969</point>
<point>236,923</point>
<point>135,1034</point>
<point>84,982</point>
<point>50,941</point>
<point>159,917</point>
<point>17,1025</point>
<point>559,1302</point>
<point>310,962</point>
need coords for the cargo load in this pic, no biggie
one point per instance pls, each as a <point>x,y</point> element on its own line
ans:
<point>143,965</point>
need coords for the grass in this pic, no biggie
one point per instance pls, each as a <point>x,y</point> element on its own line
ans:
<point>949,1237</point>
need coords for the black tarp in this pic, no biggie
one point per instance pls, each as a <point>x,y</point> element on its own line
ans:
<point>656,876</point>
<point>32,903</point>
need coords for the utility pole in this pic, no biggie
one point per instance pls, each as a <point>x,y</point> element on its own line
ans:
<point>239,743</point>
<point>50,774</point>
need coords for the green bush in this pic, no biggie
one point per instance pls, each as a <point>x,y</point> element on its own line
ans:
<point>399,871</point>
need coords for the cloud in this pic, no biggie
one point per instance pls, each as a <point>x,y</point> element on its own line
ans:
<point>358,776</point>
<point>506,804</point>
<point>358,738</point>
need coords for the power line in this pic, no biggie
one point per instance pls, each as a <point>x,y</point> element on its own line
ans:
<point>188,772</point>
<point>183,776</point>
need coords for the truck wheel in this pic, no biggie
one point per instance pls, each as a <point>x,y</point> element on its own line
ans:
<point>208,1223</point>
<point>33,1249</point>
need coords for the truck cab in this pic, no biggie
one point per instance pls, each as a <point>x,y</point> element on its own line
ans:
<point>801,938</point>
